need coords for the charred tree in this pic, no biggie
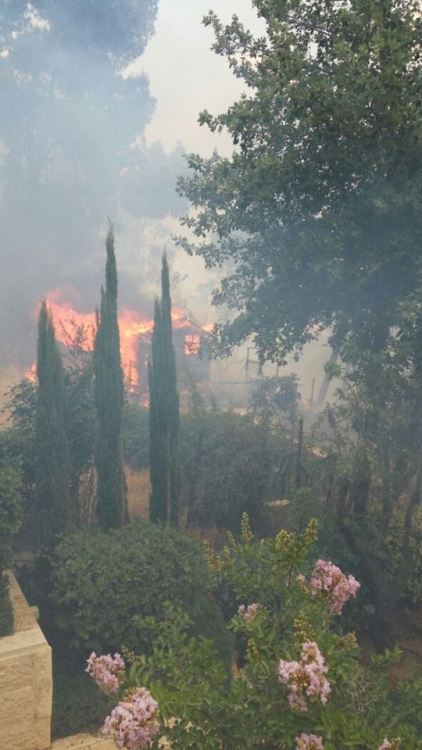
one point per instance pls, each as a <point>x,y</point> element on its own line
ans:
<point>164,412</point>
<point>111,485</point>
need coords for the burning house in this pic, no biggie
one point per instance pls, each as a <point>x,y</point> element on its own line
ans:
<point>190,341</point>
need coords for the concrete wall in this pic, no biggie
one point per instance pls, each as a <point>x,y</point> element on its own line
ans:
<point>26,683</point>
<point>26,687</point>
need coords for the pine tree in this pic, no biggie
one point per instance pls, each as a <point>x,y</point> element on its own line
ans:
<point>164,411</point>
<point>111,485</point>
<point>52,472</point>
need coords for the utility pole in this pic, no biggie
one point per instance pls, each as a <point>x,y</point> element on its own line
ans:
<point>250,361</point>
<point>299,455</point>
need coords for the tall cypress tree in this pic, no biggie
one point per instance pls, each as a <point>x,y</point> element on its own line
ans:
<point>111,485</point>
<point>53,507</point>
<point>164,411</point>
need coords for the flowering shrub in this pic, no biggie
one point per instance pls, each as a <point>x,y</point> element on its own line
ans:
<point>132,724</point>
<point>249,612</point>
<point>107,671</point>
<point>305,678</point>
<point>309,742</point>
<point>103,581</point>
<point>328,580</point>
<point>289,685</point>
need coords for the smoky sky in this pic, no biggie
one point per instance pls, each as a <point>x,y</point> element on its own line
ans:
<point>72,151</point>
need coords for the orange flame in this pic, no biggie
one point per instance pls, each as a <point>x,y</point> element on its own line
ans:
<point>133,326</point>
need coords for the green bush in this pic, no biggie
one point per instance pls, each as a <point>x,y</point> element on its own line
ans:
<point>9,524</point>
<point>298,679</point>
<point>228,464</point>
<point>135,435</point>
<point>6,614</point>
<point>77,705</point>
<point>102,581</point>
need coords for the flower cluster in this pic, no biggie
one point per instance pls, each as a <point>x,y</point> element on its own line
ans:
<point>309,742</point>
<point>305,678</point>
<point>387,745</point>
<point>107,671</point>
<point>327,579</point>
<point>248,613</point>
<point>133,723</point>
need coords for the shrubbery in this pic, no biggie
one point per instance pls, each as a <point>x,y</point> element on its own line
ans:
<point>135,435</point>
<point>226,464</point>
<point>102,581</point>
<point>229,463</point>
<point>77,705</point>
<point>9,524</point>
<point>298,682</point>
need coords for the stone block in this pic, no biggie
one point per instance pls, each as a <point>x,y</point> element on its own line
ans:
<point>83,742</point>
<point>25,681</point>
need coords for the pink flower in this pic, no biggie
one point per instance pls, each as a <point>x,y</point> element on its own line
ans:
<point>133,723</point>
<point>309,742</point>
<point>328,580</point>
<point>107,671</point>
<point>387,745</point>
<point>248,613</point>
<point>305,678</point>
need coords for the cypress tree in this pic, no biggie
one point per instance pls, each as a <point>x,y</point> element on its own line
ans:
<point>164,411</point>
<point>52,472</point>
<point>111,485</point>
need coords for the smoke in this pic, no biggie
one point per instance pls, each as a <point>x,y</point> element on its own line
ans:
<point>72,152</point>
<point>85,135</point>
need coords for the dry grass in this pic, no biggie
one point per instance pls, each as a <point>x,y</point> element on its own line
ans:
<point>138,492</point>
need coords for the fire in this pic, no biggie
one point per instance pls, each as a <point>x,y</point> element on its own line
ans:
<point>132,326</point>
<point>70,324</point>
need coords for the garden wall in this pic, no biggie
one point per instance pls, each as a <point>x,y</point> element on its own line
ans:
<point>26,684</point>
<point>26,687</point>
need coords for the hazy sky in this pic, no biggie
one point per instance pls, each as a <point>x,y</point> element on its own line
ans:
<point>186,76</point>
<point>79,142</point>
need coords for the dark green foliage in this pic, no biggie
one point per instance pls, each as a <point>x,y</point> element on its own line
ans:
<point>228,463</point>
<point>276,401</point>
<point>80,427</point>
<point>407,698</point>
<point>135,435</point>
<point>101,581</point>
<point>6,612</point>
<point>54,512</point>
<point>317,214</point>
<point>80,403</point>
<point>18,440</point>
<point>111,486</point>
<point>371,479</point>
<point>246,707</point>
<point>10,516</point>
<point>78,705</point>
<point>164,412</point>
